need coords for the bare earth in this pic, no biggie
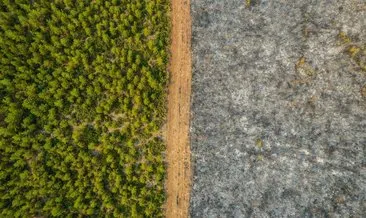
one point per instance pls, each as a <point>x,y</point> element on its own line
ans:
<point>178,150</point>
<point>278,115</point>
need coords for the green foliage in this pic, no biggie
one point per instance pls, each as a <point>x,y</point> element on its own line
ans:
<point>82,93</point>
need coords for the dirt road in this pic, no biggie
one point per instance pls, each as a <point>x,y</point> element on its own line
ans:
<point>178,150</point>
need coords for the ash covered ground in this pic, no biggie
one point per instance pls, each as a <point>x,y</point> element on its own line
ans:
<point>278,123</point>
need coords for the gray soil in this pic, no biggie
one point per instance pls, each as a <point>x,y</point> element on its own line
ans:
<point>278,108</point>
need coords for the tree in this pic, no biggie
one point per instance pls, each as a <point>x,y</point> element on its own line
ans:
<point>82,85</point>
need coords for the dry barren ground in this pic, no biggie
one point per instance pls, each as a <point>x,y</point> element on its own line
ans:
<point>178,151</point>
<point>278,113</point>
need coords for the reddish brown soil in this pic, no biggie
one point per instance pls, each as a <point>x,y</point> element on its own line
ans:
<point>177,134</point>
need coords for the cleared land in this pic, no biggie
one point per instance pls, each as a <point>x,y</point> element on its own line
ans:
<point>278,124</point>
<point>178,151</point>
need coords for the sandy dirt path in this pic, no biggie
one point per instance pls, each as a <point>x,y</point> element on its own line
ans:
<point>178,148</point>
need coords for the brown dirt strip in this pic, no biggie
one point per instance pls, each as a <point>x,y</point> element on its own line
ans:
<point>178,148</point>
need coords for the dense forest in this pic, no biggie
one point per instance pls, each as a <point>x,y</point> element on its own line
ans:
<point>82,102</point>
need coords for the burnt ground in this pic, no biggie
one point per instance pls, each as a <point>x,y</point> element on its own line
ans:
<point>278,115</point>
